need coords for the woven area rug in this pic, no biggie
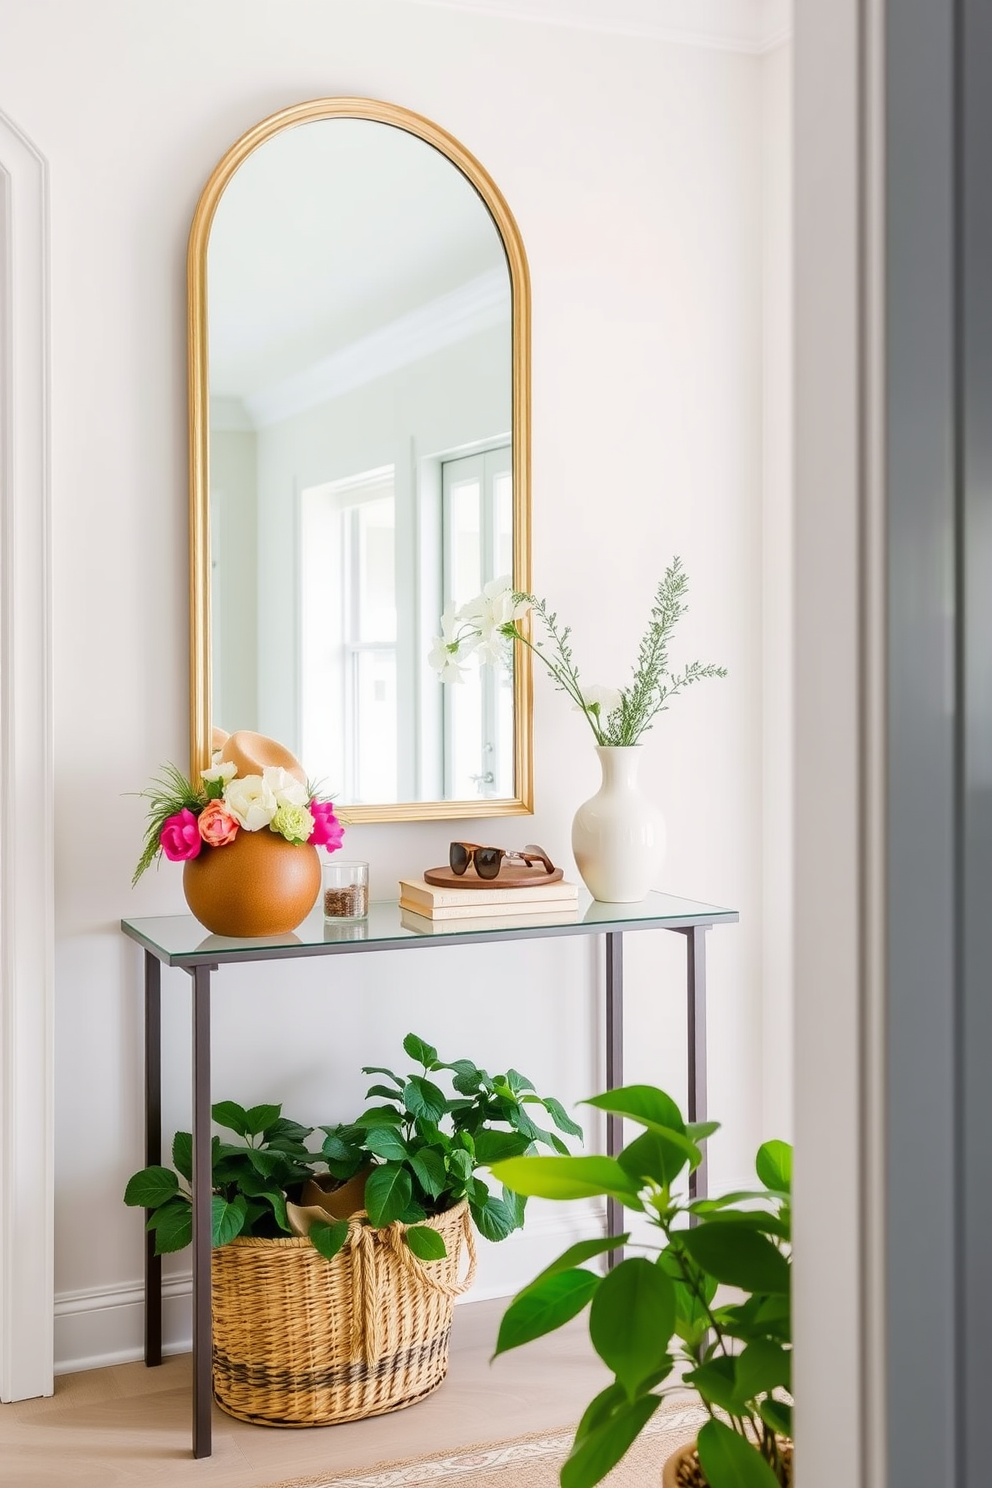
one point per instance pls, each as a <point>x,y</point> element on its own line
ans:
<point>525,1462</point>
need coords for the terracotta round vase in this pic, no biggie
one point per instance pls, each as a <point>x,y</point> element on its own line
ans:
<point>259,884</point>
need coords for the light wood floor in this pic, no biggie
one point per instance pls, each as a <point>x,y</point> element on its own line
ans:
<point>128,1425</point>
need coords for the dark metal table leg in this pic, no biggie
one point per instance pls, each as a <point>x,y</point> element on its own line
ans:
<point>153,1150</point>
<point>695,945</point>
<point>614,1073</point>
<point>202,1213</point>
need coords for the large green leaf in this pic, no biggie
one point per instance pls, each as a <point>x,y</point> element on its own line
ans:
<point>420,1050</point>
<point>777,1415</point>
<point>426,1244</point>
<point>566,1177</point>
<point>632,1320</point>
<point>382,1090</point>
<point>544,1306</point>
<point>716,1381</point>
<point>151,1187</point>
<point>731,1461</point>
<point>763,1366</point>
<point>758,1317</point>
<point>387,1193</point>
<point>642,1103</point>
<point>182,1154</point>
<point>494,1146</point>
<point>737,1257</point>
<point>751,1219</point>
<point>774,1165</point>
<point>422,1098</point>
<point>592,1458</point>
<point>227,1218</point>
<point>493,1219</point>
<point>386,1142</point>
<point>173,1226</point>
<point>515,1206</point>
<point>260,1118</point>
<point>517,1082</point>
<point>582,1250</point>
<point>429,1171</point>
<point>658,1157</point>
<point>328,1239</point>
<point>285,1130</point>
<point>276,1202</point>
<point>560,1116</point>
<point>604,1405</point>
<point>459,1163</point>
<point>376,1116</point>
<point>378,1069</point>
<point>232,1116</point>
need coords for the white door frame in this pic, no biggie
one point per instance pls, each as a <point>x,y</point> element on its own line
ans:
<point>27,892</point>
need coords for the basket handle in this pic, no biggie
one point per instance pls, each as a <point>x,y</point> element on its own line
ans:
<point>367,1303</point>
<point>421,1269</point>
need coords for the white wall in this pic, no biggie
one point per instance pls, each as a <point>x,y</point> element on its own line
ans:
<point>633,167</point>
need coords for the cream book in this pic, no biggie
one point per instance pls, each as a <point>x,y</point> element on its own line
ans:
<point>416,892</point>
<point>437,923</point>
<point>556,907</point>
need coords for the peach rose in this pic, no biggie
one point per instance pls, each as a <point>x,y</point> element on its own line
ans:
<point>217,826</point>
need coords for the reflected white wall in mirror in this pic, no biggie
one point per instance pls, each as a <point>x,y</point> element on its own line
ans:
<point>361,386</point>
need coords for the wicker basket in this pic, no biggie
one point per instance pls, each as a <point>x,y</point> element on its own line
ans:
<point>301,1341</point>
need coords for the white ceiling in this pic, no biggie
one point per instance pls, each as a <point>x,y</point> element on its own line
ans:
<point>327,233</point>
<point>730,25</point>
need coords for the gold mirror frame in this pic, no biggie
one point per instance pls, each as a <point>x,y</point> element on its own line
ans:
<point>199,443</point>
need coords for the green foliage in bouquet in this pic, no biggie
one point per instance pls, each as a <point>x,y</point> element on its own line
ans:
<point>655,1312</point>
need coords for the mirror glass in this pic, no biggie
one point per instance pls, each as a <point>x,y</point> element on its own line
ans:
<point>361,363</point>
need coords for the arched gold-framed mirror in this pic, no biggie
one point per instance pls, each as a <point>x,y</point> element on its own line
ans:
<point>359,447</point>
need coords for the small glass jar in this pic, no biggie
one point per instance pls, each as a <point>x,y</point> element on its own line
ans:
<point>344,889</point>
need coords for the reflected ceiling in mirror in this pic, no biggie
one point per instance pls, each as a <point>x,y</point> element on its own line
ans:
<point>359,457</point>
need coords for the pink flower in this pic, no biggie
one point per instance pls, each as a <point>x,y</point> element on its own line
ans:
<point>216,824</point>
<point>180,837</point>
<point>327,830</point>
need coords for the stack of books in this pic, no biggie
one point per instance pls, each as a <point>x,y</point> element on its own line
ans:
<point>537,902</point>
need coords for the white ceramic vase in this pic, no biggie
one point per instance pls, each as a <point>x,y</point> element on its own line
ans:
<point>618,836</point>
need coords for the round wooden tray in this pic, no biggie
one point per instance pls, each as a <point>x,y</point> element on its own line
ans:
<point>511,876</point>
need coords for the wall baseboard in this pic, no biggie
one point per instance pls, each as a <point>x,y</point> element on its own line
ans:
<point>101,1326</point>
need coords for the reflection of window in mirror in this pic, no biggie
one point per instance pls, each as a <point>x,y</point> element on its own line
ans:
<point>477,544</point>
<point>353,598</point>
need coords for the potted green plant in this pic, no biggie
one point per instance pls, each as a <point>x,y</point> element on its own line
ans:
<point>347,1315</point>
<point>654,1312</point>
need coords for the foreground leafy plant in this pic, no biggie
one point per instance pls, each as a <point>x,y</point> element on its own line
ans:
<point>655,1311</point>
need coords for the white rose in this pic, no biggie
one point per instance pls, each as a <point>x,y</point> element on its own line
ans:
<point>223,771</point>
<point>287,790</point>
<point>251,802</point>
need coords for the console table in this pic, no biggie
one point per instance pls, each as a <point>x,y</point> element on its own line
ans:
<point>179,940</point>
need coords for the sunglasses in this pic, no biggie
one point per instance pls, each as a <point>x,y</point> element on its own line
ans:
<point>489,860</point>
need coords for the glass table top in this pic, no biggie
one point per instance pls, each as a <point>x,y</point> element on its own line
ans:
<point>180,940</point>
